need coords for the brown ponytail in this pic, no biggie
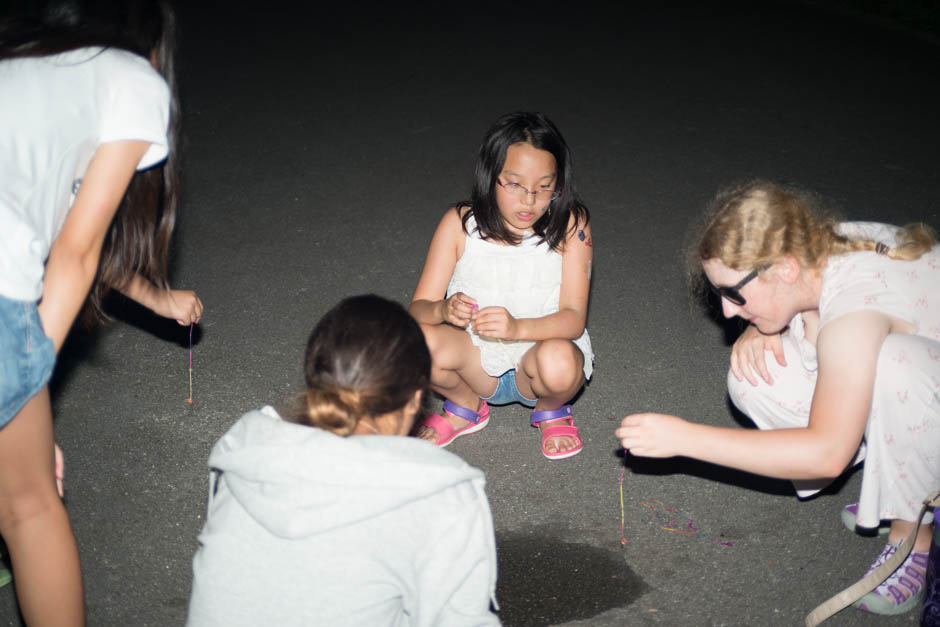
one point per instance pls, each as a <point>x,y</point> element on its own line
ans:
<point>366,357</point>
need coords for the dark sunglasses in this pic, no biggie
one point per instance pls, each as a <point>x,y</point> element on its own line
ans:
<point>733,292</point>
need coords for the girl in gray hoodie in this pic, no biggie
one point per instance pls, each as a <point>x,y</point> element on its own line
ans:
<point>333,517</point>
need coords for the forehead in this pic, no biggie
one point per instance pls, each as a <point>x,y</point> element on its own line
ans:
<point>525,158</point>
<point>721,275</point>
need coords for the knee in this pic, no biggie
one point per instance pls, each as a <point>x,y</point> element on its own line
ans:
<point>738,391</point>
<point>559,364</point>
<point>900,365</point>
<point>24,507</point>
<point>431,337</point>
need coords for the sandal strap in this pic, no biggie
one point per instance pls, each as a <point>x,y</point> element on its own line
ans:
<point>555,431</point>
<point>871,580</point>
<point>461,412</point>
<point>550,414</point>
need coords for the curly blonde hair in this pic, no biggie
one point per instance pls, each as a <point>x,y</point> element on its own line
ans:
<point>754,224</point>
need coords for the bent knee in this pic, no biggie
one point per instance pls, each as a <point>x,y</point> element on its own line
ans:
<point>905,362</point>
<point>24,508</point>
<point>559,364</point>
<point>739,391</point>
<point>432,337</point>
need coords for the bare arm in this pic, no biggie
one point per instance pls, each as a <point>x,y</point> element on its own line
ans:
<point>183,306</point>
<point>568,322</point>
<point>428,304</point>
<point>848,350</point>
<point>73,259</point>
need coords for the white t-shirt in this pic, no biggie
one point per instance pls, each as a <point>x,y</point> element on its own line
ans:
<point>54,113</point>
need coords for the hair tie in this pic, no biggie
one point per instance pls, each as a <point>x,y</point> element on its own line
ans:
<point>881,249</point>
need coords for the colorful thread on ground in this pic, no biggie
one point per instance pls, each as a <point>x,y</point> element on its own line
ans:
<point>673,525</point>
<point>190,399</point>
<point>623,537</point>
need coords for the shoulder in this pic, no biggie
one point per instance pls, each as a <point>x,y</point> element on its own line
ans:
<point>452,223</point>
<point>854,337</point>
<point>578,231</point>
<point>454,216</point>
<point>126,70</point>
<point>135,103</point>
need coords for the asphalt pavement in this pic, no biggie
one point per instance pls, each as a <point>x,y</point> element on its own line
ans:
<point>323,144</point>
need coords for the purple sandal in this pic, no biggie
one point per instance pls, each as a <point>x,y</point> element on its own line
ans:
<point>446,433</point>
<point>557,430</point>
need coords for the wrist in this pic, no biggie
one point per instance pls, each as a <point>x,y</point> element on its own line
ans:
<point>518,328</point>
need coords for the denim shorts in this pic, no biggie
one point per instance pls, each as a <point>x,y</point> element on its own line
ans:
<point>507,392</point>
<point>27,356</point>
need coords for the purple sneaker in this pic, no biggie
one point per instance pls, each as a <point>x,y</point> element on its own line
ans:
<point>850,513</point>
<point>931,613</point>
<point>903,590</point>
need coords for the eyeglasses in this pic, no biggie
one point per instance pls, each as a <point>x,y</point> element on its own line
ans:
<point>521,192</point>
<point>733,292</point>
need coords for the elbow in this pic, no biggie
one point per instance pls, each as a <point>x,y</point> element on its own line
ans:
<point>81,257</point>
<point>575,325</point>
<point>414,308</point>
<point>832,464</point>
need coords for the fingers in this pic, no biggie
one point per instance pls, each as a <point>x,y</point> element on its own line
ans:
<point>459,309</point>
<point>653,435</point>
<point>749,358</point>
<point>198,308</point>
<point>495,322</point>
<point>776,345</point>
<point>186,306</point>
<point>742,364</point>
<point>59,471</point>
<point>759,361</point>
<point>632,435</point>
<point>736,365</point>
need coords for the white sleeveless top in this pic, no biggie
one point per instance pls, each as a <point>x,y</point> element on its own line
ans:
<point>525,279</point>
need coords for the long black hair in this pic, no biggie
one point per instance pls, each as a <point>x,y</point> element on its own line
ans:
<point>539,132</point>
<point>138,240</point>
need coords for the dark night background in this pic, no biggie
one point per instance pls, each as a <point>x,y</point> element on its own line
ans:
<point>322,145</point>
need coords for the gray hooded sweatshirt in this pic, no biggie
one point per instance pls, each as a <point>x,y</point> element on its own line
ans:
<point>308,528</point>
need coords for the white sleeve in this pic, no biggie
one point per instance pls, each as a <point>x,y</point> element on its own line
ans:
<point>137,107</point>
<point>456,572</point>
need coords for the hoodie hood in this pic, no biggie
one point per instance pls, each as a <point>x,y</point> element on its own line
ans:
<point>298,481</point>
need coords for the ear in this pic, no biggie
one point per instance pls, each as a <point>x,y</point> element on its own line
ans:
<point>414,404</point>
<point>788,269</point>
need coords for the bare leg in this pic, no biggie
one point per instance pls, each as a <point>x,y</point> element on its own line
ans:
<point>552,371</point>
<point>900,529</point>
<point>456,373</point>
<point>34,523</point>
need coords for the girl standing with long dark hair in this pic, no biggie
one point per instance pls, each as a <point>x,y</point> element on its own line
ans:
<point>88,115</point>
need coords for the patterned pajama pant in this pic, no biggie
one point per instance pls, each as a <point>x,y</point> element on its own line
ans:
<point>901,447</point>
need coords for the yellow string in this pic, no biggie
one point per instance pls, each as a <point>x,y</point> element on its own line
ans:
<point>623,537</point>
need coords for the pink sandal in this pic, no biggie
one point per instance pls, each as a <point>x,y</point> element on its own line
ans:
<point>557,430</point>
<point>446,433</point>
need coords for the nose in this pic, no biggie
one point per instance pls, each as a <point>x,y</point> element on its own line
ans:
<point>729,309</point>
<point>528,198</point>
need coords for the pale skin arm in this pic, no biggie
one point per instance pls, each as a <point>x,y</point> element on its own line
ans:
<point>568,322</point>
<point>428,305</point>
<point>183,306</point>
<point>847,350</point>
<point>749,355</point>
<point>73,259</point>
